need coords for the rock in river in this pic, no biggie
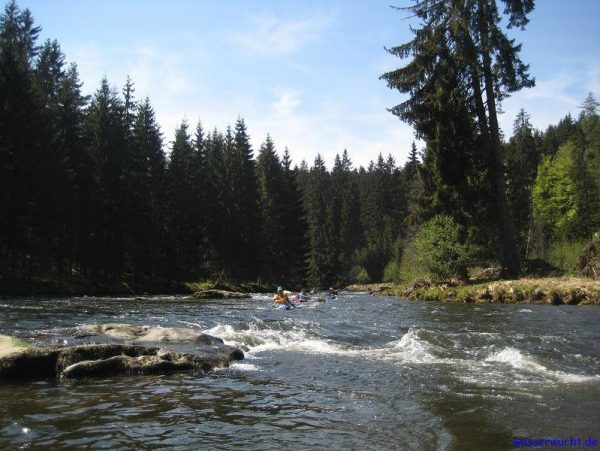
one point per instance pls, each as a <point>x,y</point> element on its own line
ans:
<point>219,294</point>
<point>18,362</point>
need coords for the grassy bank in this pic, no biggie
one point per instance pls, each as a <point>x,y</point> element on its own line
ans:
<point>550,290</point>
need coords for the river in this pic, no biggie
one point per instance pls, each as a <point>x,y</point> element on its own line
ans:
<point>360,372</point>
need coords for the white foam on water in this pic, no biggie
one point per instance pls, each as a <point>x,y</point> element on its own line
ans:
<point>244,367</point>
<point>289,336</point>
<point>525,310</point>
<point>411,348</point>
<point>516,359</point>
<point>523,362</point>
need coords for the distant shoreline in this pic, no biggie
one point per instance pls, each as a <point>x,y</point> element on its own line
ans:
<point>549,290</point>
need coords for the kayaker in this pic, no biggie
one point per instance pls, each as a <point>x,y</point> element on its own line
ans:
<point>281,298</point>
<point>303,296</point>
<point>332,296</point>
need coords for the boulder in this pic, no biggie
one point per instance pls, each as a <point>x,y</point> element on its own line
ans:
<point>219,294</point>
<point>105,360</point>
<point>9,345</point>
<point>206,345</point>
<point>144,333</point>
<point>129,357</point>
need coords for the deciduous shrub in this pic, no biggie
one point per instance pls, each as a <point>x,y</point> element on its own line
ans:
<point>440,248</point>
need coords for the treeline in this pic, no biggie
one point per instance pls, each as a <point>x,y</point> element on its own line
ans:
<point>89,192</point>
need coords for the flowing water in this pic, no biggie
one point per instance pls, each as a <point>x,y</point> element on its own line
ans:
<point>360,372</point>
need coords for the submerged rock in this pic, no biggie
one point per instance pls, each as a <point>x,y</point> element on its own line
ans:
<point>219,294</point>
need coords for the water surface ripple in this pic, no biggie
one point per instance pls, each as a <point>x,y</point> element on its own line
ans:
<point>358,372</point>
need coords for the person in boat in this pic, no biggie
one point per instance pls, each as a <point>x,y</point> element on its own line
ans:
<point>332,294</point>
<point>281,298</point>
<point>303,295</point>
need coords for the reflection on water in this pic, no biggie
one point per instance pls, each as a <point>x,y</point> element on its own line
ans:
<point>357,372</point>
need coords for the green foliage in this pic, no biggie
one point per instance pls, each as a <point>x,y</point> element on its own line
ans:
<point>392,273</point>
<point>441,250</point>
<point>462,63</point>
<point>411,267</point>
<point>565,254</point>
<point>554,192</point>
<point>358,274</point>
<point>565,200</point>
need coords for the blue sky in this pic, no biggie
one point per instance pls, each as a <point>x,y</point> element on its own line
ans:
<point>304,71</point>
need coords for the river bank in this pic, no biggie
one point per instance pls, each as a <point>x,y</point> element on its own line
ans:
<point>80,286</point>
<point>548,290</point>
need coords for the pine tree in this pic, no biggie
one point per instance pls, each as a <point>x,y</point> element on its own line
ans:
<point>185,241</point>
<point>79,197</point>
<point>294,231</point>
<point>249,215</point>
<point>321,257</point>
<point>349,230</point>
<point>105,137</point>
<point>18,140</point>
<point>522,159</point>
<point>270,188</point>
<point>147,182</point>
<point>463,64</point>
<point>216,224</point>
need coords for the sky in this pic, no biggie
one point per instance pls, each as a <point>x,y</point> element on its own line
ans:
<point>304,71</point>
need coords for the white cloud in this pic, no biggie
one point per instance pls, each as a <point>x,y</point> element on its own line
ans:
<point>271,36</point>
<point>287,101</point>
<point>593,80</point>
<point>546,103</point>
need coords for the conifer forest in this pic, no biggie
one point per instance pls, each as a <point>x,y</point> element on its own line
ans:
<point>91,190</point>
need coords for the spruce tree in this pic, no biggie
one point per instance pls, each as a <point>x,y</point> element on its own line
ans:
<point>18,141</point>
<point>461,53</point>
<point>105,137</point>
<point>249,216</point>
<point>184,241</point>
<point>216,198</point>
<point>294,225</point>
<point>522,159</point>
<point>321,257</point>
<point>270,188</point>
<point>147,181</point>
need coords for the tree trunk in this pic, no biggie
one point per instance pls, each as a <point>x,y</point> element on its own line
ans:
<point>509,256</point>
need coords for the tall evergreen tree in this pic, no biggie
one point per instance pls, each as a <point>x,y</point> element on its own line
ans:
<point>185,241</point>
<point>522,159</point>
<point>18,140</point>
<point>461,49</point>
<point>347,225</point>
<point>147,186</point>
<point>249,215</point>
<point>270,188</point>
<point>216,198</point>
<point>321,256</point>
<point>294,231</point>
<point>79,197</point>
<point>105,137</point>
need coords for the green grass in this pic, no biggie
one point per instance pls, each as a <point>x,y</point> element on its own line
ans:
<point>564,255</point>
